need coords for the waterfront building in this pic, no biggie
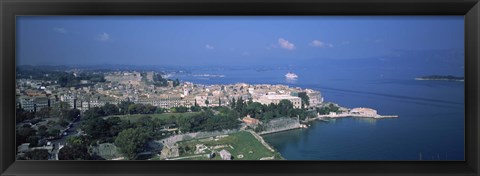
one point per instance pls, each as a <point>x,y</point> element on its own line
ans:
<point>315,97</point>
<point>364,111</point>
<point>275,99</point>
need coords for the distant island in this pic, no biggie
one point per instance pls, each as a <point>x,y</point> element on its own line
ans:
<point>441,77</point>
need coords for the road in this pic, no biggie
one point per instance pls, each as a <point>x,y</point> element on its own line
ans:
<point>61,142</point>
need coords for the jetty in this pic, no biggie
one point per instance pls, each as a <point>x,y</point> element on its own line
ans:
<point>356,112</point>
<point>355,115</point>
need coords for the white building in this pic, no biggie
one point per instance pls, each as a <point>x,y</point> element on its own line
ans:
<point>364,111</point>
<point>315,97</point>
<point>275,99</point>
<point>70,99</point>
<point>225,155</point>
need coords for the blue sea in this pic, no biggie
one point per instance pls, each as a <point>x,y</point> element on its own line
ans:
<point>431,113</point>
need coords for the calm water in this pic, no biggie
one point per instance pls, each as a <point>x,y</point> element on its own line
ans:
<point>431,123</point>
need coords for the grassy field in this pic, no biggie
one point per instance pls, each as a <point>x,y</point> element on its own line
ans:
<point>134,117</point>
<point>241,143</point>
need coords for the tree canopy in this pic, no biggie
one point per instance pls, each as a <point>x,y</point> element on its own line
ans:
<point>74,152</point>
<point>132,141</point>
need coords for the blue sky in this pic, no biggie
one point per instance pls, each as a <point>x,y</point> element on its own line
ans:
<point>190,41</point>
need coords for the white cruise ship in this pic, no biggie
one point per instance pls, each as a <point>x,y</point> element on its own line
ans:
<point>291,75</point>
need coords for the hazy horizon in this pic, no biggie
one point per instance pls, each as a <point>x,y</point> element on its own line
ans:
<point>199,41</point>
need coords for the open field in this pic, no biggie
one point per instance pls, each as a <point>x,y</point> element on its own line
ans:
<point>163,116</point>
<point>238,144</point>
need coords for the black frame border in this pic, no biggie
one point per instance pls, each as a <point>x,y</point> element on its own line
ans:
<point>12,8</point>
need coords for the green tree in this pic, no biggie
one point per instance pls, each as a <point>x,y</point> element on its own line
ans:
<point>33,140</point>
<point>195,108</point>
<point>149,109</point>
<point>185,123</point>
<point>60,110</point>
<point>110,109</point>
<point>123,106</point>
<point>117,125</point>
<point>63,123</point>
<point>42,131</point>
<point>305,98</point>
<point>181,109</point>
<point>54,132</point>
<point>159,110</point>
<point>147,123</point>
<point>71,114</point>
<point>176,82</point>
<point>96,128</point>
<point>268,116</point>
<point>333,108</point>
<point>172,119</point>
<point>44,112</point>
<point>74,152</point>
<point>207,102</point>
<point>37,154</point>
<point>23,133</point>
<point>254,109</point>
<point>94,113</point>
<point>131,141</point>
<point>232,105</point>
<point>132,109</point>
<point>76,140</point>
<point>240,106</point>
<point>284,107</point>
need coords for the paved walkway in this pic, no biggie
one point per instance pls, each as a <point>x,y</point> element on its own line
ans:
<point>259,138</point>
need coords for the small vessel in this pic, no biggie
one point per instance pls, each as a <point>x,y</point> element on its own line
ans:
<point>291,75</point>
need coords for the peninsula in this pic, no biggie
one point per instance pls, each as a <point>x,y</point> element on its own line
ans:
<point>441,77</point>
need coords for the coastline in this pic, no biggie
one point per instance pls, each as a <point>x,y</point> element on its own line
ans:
<point>439,79</point>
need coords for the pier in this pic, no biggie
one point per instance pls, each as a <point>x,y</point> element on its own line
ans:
<point>356,112</point>
<point>356,115</point>
<point>334,116</point>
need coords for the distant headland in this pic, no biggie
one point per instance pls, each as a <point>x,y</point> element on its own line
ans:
<point>441,77</point>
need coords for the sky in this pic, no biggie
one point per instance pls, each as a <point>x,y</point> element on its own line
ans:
<point>226,40</point>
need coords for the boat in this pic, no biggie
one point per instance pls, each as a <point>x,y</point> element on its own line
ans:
<point>291,75</point>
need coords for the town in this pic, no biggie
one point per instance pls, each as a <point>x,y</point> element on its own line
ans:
<point>125,115</point>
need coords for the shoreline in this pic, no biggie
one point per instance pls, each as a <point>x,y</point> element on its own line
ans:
<point>303,124</point>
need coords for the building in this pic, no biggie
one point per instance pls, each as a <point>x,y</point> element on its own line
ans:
<point>85,105</point>
<point>275,99</point>
<point>33,104</point>
<point>40,102</point>
<point>250,121</point>
<point>225,155</point>
<point>70,99</point>
<point>27,104</point>
<point>364,111</point>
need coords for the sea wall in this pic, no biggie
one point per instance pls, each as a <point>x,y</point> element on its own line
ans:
<point>281,124</point>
